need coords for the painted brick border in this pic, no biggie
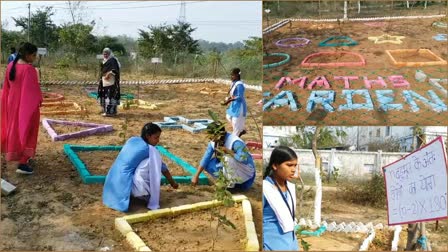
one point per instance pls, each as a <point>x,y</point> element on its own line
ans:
<point>122,224</point>
<point>283,22</point>
<point>175,122</point>
<point>437,62</point>
<point>256,146</point>
<point>94,94</point>
<point>350,41</point>
<point>153,82</point>
<point>76,108</point>
<point>88,178</point>
<point>137,103</point>
<point>305,62</point>
<point>93,128</point>
<point>52,97</point>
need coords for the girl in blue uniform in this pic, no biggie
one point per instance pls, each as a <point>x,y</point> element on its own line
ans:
<point>237,110</point>
<point>229,149</point>
<point>279,201</point>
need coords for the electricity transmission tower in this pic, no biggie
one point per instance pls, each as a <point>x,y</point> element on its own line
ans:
<point>182,17</point>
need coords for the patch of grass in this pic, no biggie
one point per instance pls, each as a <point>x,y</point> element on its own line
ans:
<point>371,192</point>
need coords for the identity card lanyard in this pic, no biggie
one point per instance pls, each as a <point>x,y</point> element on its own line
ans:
<point>286,202</point>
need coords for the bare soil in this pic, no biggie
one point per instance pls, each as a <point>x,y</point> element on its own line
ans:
<point>53,210</point>
<point>331,241</point>
<point>194,231</point>
<point>418,35</point>
<point>335,208</point>
<point>61,129</point>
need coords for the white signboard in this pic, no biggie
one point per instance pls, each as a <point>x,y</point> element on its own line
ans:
<point>416,185</point>
<point>156,60</point>
<point>99,56</point>
<point>42,51</point>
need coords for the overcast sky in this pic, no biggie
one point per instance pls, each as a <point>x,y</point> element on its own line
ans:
<point>223,21</point>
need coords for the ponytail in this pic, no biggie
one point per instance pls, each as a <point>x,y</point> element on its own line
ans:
<point>12,72</point>
<point>24,50</point>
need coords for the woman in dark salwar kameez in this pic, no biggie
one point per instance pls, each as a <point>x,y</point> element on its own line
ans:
<point>109,86</point>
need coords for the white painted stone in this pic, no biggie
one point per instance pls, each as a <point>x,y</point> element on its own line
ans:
<point>396,238</point>
<point>379,226</point>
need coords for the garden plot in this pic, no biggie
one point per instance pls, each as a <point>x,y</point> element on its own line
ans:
<point>412,102</point>
<point>53,209</point>
<point>189,226</point>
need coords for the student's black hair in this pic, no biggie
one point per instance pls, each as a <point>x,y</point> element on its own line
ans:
<point>24,50</point>
<point>237,72</point>
<point>13,50</point>
<point>150,129</point>
<point>279,155</point>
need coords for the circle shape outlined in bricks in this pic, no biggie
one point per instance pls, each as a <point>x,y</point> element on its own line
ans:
<point>276,64</point>
<point>282,42</point>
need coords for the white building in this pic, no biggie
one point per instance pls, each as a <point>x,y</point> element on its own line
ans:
<point>404,134</point>
<point>272,135</point>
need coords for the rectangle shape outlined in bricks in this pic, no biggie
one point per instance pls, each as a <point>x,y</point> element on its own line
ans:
<point>123,224</point>
<point>88,178</point>
<point>180,122</point>
<point>437,61</point>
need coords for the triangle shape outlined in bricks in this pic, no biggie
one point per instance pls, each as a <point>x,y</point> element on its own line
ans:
<point>92,128</point>
<point>350,41</point>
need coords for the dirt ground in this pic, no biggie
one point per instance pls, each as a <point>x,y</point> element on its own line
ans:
<point>53,210</point>
<point>418,34</point>
<point>334,208</point>
<point>186,236</point>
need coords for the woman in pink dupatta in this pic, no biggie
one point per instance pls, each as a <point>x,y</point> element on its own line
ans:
<point>20,109</point>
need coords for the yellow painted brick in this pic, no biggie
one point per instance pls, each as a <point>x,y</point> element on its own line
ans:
<point>182,209</point>
<point>239,198</point>
<point>252,245</point>
<point>216,203</point>
<point>247,210</point>
<point>153,214</point>
<point>203,205</point>
<point>134,218</point>
<point>123,226</point>
<point>250,227</point>
<point>145,248</point>
<point>135,241</point>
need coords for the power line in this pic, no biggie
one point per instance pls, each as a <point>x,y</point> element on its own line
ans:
<point>135,7</point>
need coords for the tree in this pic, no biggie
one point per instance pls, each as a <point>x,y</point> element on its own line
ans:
<point>253,47</point>
<point>327,137</point>
<point>77,39</point>
<point>43,32</point>
<point>11,39</point>
<point>76,10</point>
<point>112,43</point>
<point>168,40</point>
